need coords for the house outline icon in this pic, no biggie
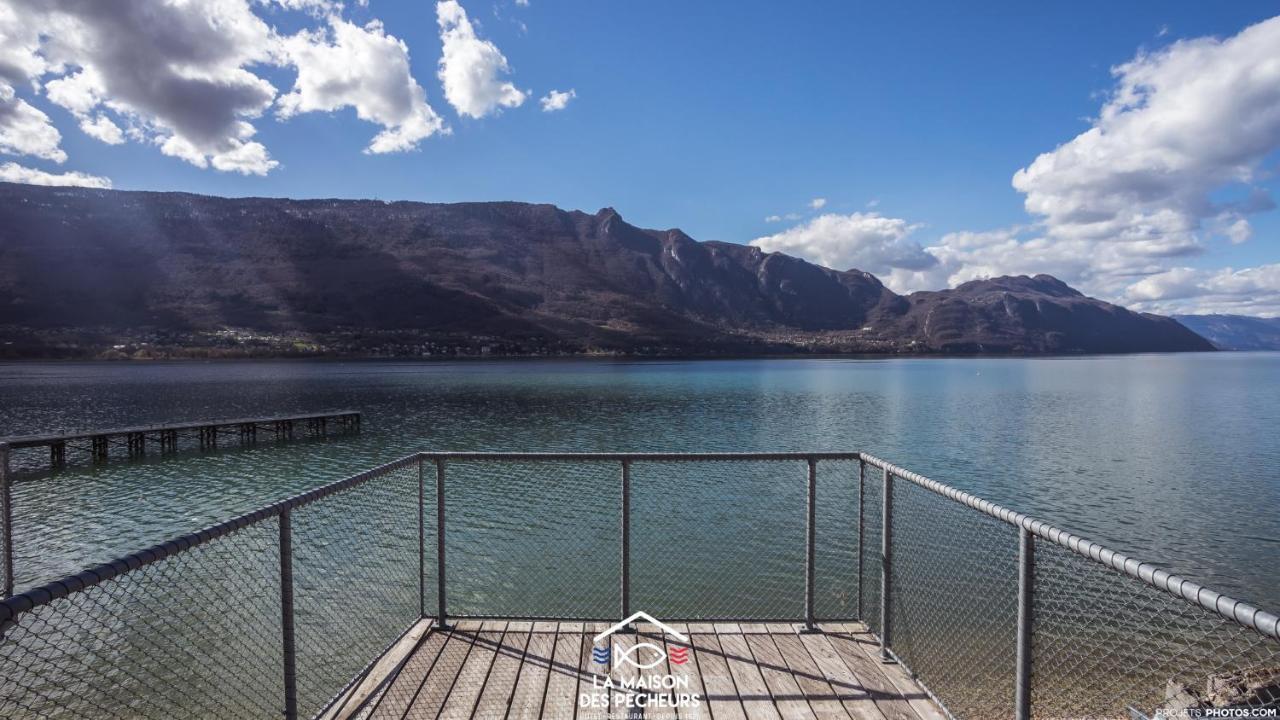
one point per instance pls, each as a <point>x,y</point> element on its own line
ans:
<point>646,617</point>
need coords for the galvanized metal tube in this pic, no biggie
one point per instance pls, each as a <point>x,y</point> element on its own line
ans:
<point>286,617</point>
<point>6,517</point>
<point>1225,606</point>
<point>811,531</point>
<point>886,565</point>
<point>422,540</point>
<point>442,611</point>
<point>626,539</point>
<point>862,477</point>
<point>1026,620</point>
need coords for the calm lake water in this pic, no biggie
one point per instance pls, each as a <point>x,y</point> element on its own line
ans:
<point>1171,458</point>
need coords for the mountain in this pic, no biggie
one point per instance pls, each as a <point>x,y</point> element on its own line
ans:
<point>1235,332</point>
<point>100,272</point>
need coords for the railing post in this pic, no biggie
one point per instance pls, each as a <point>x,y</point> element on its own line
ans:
<point>810,533</point>
<point>862,476</point>
<point>442,612</point>
<point>1026,621</point>
<point>422,540</point>
<point>886,564</point>
<point>286,617</point>
<point>6,517</point>
<point>626,539</point>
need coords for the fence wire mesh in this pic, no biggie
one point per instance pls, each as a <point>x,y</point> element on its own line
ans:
<point>194,635</point>
<point>870,547</point>
<point>1104,642</point>
<point>355,580</point>
<point>836,541</point>
<point>551,552</point>
<point>719,539</point>
<point>953,600</point>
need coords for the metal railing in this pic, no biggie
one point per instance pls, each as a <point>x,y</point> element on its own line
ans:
<point>285,609</point>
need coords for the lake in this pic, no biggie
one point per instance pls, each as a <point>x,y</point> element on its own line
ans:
<point>1170,458</point>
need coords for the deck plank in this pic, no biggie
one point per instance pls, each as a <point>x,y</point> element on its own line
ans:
<point>495,699</point>
<point>786,693</point>
<point>820,693</point>
<point>531,685</point>
<point>721,692</point>
<point>561,700</point>
<point>460,703</point>
<point>854,694</point>
<point>755,696</point>
<point>869,675</point>
<point>435,688</point>
<point>593,673</point>
<point>854,636</point>
<point>399,696</point>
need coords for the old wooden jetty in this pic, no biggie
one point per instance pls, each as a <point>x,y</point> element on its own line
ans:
<point>96,445</point>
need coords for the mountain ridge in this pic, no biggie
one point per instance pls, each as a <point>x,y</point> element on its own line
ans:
<point>83,271</point>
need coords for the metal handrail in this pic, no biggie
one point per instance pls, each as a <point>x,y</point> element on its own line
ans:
<point>1227,607</point>
<point>1029,529</point>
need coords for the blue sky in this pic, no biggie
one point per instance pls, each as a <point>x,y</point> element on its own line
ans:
<point>712,117</point>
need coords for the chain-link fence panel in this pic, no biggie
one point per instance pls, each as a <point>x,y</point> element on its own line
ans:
<point>355,580</point>
<point>719,539</point>
<point>7,582</point>
<point>1104,642</point>
<point>953,600</point>
<point>193,635</point>
<point>552,551</point>
<point>836,541</point>
<point>869,550</point>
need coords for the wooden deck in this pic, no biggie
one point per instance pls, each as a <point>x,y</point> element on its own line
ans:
<point>498,670</point>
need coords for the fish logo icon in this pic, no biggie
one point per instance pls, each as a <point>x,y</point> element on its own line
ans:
<point>642,655</point>
<point>600,655</point>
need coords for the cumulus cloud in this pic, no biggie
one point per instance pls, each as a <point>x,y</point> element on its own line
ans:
<point>187,78</point>
<point>471,68</point>
<point>362,68</point>
<point>1251,291</point>
<point>1180,124</point>
<point>556,100</point>
<point>1119,209</point>
<point>866,241</point>
<point>176,72</point>
<point>26,130</point>
<point>818,203</point>
<point>15,173</point>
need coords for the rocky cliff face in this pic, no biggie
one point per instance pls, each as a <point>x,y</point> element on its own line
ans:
<point>91,266</point>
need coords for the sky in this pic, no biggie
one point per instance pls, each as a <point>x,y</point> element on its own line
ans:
<point>1130,149</point>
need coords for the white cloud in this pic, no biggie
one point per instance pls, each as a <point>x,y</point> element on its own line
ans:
<point>26,130</point>
<point>1121,206</point>
<point>1251,291</point>
<point>366,69</point>
<point>522,3</point>
<point>773,219</point>
<point>102,128</point>
<point>556,100</point>
<point>15,173</point>
<point>818,203</point>
<point>470,67</point>
<point>186,76</point>
<point>1181,123</point>
<point>866,241</point>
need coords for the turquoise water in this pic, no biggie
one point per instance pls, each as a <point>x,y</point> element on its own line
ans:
<point>1171,458</point>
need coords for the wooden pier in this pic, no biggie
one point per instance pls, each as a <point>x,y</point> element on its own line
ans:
<point>96,445</point>
<point>521,670</point>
